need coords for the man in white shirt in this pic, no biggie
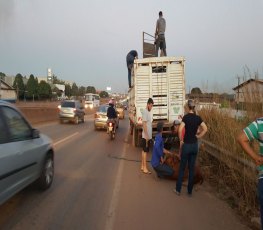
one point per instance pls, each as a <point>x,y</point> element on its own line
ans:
<point>146,133</point>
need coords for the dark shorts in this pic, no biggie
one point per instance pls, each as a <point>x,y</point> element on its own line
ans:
<point>145,147</point>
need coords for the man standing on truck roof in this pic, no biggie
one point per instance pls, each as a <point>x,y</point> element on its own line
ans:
<point>146,134</point>
<point>130,59</point>
<point>159,35</point>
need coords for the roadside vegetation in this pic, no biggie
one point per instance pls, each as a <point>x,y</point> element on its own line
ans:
<point>235,182</point>
<point>30,89</point>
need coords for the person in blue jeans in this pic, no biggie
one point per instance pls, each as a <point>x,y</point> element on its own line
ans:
<point>189,146</point>
<point>254,132</point>
<point>129,61</point>
<point>158,155</point>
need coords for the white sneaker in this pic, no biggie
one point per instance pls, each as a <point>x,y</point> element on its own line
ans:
<point>176,192</point>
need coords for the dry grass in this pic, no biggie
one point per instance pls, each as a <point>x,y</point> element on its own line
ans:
<point>237,183</point>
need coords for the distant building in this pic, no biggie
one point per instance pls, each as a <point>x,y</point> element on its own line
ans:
<point>7,92</point>
<point>249,91</point>
<point>207,105</point>
<point>9,80</point>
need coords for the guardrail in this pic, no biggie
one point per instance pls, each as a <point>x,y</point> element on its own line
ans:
<point>231,160</point>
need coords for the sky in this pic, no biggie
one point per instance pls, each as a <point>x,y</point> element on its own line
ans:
<point>86,42</point>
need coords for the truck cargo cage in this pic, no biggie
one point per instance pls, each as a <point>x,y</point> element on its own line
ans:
<point>148,45</point>
<point>161,78</point>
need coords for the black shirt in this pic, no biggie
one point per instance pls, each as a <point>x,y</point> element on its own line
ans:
<point>131,56</point>
<point>111,113</point>
<point>192,122</point>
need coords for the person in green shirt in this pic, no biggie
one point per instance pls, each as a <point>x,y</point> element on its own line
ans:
<point>254,131</point>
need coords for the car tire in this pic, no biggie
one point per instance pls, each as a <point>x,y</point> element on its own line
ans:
<point>46,178</point>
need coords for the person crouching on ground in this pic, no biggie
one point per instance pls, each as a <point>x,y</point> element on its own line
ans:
<point>158,155</point>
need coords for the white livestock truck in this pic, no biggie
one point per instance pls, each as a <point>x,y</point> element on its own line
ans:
<point>162,79</point>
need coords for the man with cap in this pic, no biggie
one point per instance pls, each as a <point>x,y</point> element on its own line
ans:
<point>189,145</point>
<point>171,137</point>
<point>158,156</point>
<point>146,134</point>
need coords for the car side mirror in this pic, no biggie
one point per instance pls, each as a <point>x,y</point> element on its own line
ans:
<point>35,133</point>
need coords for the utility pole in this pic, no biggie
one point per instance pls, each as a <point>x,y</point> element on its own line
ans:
<point>238,82</point>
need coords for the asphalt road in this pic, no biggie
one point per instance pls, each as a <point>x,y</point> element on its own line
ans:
<point>98,185</point>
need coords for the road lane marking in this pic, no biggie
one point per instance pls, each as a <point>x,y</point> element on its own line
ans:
<point>66,138</point>
<point>115,195</point>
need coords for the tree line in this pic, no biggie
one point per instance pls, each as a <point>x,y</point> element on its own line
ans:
<point>31,89</point>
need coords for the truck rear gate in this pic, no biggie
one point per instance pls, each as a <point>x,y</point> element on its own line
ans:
<point>161,78</point>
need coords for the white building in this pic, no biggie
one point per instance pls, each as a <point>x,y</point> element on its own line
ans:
<point>249,91</point>
<point>7,92</point>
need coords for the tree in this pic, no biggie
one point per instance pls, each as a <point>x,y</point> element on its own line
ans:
<point>57,81</point>
<point>2,76</point>
<point>82,90</point>
<point>57,92</point>
<point>74,89</point>
<point>68,90</point>
<point>32,87</point>
<point>44,90</point>
<point>91,89</point>
<point>19,86</point>
<point>196,90</point>
<point>104,94</point>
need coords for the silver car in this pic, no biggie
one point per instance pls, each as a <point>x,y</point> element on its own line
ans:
<point>71,110</point>
<point>25,154</point>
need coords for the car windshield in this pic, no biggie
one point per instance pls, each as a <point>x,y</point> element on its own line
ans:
<point>103,109</point>
<point>68,104</point>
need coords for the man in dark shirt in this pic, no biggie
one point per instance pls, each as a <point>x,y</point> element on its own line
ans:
<point>129,60</point>
<point>111,113</point>
<point>189,145</point>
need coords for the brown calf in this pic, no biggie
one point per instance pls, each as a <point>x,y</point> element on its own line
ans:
<point>174,163</point>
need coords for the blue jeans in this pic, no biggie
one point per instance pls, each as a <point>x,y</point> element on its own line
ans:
<point>129,77</point>
<point>188,156</point>
<point>163,170</point>
<point>260,196</point>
